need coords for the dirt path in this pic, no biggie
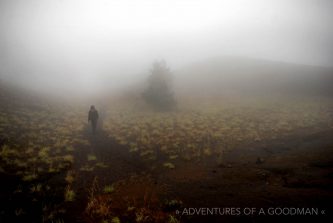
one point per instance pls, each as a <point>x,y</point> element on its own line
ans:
<point>111,162</point>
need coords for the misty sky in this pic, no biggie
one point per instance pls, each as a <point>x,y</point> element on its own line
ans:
<point>58,43</point>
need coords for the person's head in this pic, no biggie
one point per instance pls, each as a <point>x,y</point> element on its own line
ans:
<point>92,107</point>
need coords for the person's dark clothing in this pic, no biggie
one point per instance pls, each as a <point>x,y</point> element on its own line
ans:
<point>93,117</point>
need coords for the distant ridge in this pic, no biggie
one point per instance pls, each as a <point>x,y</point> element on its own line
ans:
<point>222,75</point>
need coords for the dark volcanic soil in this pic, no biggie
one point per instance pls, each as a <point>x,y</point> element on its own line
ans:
<point>291,172</point>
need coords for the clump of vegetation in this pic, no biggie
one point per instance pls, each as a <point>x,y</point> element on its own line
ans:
<point>6,151</point>
<point>91,157</point>
<point>108,189</point>
<point>101,165</point>
<point>173,204</point>
<point>30,177</point>
<point>69,148</point>
<point>36,188</point>
<point>69,158</point>
<point>115,220</point>
<point>44,152</point>
<point>19,212</point>
<point>70,177</point>
<point>173,219</point>
<point>169,165</point>
<point>69,194</point>
<point>87,168</point>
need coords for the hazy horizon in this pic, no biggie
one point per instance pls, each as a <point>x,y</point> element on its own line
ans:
<point>88,46</point>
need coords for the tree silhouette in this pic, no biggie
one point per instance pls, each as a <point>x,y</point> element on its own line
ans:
<point>158,93</point>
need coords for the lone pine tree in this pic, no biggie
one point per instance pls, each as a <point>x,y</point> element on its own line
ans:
<point>158,93</point>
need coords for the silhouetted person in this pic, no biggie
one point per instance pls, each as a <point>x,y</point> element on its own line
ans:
<point>93,117</point>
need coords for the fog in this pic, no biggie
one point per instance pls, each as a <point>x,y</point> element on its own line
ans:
<point>84,48</point>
